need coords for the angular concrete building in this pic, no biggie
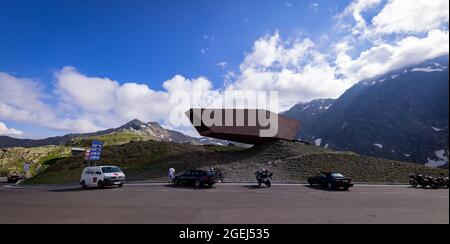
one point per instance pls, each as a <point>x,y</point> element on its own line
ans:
<point>249,126</point>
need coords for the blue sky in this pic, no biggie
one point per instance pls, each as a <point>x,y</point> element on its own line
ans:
<point>133,54</point>
<point>146,41</point>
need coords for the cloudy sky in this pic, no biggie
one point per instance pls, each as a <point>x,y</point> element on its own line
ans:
<point>80,66</point>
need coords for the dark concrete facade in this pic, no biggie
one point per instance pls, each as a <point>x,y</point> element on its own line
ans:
<point>245,125</point>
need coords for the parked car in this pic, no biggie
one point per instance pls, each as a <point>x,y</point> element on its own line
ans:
<point>13,179</point>
<point>196,178</point>
<point>101,176</point>
<point>333,180</point>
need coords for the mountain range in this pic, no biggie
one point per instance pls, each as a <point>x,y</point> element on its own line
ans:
<point>134,130</point>
<point>402,115</point>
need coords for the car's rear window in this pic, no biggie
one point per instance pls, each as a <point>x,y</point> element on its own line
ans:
<point>111,170</point>
<point>337,175</point>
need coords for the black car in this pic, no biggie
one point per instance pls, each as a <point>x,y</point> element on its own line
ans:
<point>332,180</point>
<point>196,178</point>
<point>13,179</point>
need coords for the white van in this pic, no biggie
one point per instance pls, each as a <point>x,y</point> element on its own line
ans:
<point>101,176</point>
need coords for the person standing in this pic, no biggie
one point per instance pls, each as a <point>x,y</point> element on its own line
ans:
<point>171,176</point>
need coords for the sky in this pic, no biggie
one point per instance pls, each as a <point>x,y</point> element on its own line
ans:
<point>81,66</point>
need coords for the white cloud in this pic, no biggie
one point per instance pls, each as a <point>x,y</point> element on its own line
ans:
<point>4,130</point>
<point>411,16</point>
<point>89,94</point>
<point>21,99</point>
<point>394,17</point>
<point>295,69</point>
<point>402,33</point>
<point>87,104</point>
<point>180,83</point>
<point>314,7</point>
<point>356,9</point>
<point>300,69</point>
<point>139,101</point>
<point>386,57</point>
<point>270,51</point>
<point>210,38</point>
<point>127,101</point>
<point>222,65</point>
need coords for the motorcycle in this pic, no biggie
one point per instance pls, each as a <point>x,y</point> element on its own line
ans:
<point>443,182</point>
<point>423,181</point>
<point>264,178</point>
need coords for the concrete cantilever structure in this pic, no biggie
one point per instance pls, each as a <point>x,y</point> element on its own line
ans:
<point>244,126</point>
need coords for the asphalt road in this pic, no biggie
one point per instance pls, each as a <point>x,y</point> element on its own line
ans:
<point>224,204</point>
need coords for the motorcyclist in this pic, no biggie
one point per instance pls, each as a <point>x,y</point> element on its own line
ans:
<point>266,172</point>
<point>264,177</point>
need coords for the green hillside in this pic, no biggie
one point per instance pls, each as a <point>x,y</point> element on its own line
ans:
<point>140,160</point>
<point>119,138</point>
<point>13,159</point>
<point>291,162</point>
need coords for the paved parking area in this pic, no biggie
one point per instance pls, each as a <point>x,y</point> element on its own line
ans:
<point>224,204</point>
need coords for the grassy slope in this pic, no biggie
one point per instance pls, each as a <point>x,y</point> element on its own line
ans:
<point>110,139</point>
<point>13,159</point>
<point>291,162</point>
<point>140,161</point>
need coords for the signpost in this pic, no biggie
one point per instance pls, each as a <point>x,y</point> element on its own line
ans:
<point>94,153</point>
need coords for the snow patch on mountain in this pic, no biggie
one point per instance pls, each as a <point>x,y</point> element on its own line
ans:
<point>318,142</point>
<point>429,69</point>
<point>371,83</point>
<point>325,107</point>
<point>437,129</point>
<point>395,76</point>
<point>379,145</point>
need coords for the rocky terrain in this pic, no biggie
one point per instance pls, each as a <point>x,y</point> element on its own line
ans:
<point>290,161</point>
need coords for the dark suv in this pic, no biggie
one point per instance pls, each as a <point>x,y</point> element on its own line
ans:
<point>196,178</point>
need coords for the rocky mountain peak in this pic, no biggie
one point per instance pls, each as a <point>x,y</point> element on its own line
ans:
<point>134,124</point>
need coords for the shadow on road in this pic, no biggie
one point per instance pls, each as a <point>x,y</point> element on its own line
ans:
<point>320,188</point>
<point>190,187</point>
<point>79,189</point>
<point>255,187</point>
<point>419,188</point>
